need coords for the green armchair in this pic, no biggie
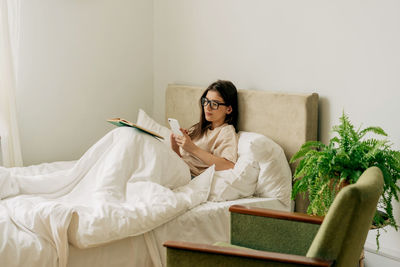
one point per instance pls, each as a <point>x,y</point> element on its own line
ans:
<point>261,237</point>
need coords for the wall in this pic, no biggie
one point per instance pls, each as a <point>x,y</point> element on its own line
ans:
<point>346,50</point>
<point>81,62</point>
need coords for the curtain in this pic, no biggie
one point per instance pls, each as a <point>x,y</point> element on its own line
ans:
<point>9,40</point>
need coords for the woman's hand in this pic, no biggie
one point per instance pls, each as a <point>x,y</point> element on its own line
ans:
<point>174,145</point>
<point>185,141</point>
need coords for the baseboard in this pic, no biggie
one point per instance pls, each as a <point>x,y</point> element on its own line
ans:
<point>390,253</point>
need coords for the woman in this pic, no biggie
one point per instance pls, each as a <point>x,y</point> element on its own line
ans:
<point>213,139</point>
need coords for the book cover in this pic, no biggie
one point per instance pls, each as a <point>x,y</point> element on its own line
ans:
<point>122,122</point>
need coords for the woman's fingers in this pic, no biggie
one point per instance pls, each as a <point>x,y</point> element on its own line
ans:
<point>180,140</point>
<point>184,131</point>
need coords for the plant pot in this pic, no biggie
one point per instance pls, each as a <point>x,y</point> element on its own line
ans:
<point>385,222</point>
<point>340,185</point>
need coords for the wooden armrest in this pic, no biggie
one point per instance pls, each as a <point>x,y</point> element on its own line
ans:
<point>283,215</point>
<point>248,253</point>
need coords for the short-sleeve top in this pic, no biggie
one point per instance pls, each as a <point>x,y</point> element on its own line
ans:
<point>221,141</point>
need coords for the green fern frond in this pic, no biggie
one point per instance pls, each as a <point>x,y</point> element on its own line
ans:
<point>375,130</point>
<point>305,148</point>
<point>375,148</point>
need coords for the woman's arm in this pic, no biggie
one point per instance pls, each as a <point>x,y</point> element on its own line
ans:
<point>210,159</point>
<point>187,144</point>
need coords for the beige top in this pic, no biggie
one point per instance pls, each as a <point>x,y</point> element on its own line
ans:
<point>221,142</point>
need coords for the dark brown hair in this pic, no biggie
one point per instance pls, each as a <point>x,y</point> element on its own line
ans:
<point>228,92</point>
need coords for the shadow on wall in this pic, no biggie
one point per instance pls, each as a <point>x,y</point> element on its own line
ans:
<point>324,121</point>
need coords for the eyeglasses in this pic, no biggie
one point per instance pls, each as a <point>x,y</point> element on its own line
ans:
<point>213,104</point>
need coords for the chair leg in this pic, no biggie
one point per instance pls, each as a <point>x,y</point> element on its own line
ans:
<point>361,261</point>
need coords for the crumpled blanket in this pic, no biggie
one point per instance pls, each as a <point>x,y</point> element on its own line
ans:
<point>126,184</point>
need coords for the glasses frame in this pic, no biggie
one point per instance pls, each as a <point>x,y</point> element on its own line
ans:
<point>205,101</point>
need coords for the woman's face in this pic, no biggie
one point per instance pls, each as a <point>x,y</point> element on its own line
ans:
<point>216,116</point>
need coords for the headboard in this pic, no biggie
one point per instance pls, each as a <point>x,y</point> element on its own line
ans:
<point>288,119</point>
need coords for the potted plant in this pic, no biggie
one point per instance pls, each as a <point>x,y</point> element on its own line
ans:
<point>324,169</point>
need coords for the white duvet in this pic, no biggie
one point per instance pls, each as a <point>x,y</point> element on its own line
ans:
<point>128,183</point>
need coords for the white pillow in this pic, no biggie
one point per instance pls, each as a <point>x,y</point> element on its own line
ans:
<point>272,174</point>
<point>147,122</point>
<point>275,176</point>
<point>235,183</point>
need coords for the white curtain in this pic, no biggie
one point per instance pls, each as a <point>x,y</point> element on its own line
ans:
<point>9,40</point>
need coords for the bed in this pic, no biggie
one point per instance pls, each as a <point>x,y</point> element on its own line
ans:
<point>287,119</point>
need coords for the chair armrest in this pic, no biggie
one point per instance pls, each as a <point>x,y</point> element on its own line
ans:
<point>192,254</point>
<point>283,215</point>
<point>271,230</point>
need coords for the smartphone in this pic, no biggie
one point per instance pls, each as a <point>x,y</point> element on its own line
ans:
<point>174,124</point>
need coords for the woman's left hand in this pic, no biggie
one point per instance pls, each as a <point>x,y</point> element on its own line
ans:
<point>185,141</point>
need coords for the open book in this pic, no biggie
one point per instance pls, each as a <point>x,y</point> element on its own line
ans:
<point>122,122</point>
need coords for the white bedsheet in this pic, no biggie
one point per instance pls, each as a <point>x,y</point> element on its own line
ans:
<point>127,184</point>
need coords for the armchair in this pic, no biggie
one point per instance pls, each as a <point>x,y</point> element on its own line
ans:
<point>261,237</point>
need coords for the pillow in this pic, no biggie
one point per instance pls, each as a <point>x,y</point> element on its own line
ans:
<point>275,176</point>
<point>147,122</point>
<point>235,183</point>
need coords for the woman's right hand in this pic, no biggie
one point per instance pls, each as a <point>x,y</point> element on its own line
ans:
<point>174,145</point>
<point>185,142</point>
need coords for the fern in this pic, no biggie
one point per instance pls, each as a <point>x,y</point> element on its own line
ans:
<point>322,168</point>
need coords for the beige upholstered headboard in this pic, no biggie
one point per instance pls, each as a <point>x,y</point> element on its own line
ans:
<point>288,119</point>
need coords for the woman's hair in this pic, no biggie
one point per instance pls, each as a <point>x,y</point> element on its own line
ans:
<point>228,92</point>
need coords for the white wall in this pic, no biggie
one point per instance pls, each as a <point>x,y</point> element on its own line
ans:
<point>81,62</point>
<point>346,50</point>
